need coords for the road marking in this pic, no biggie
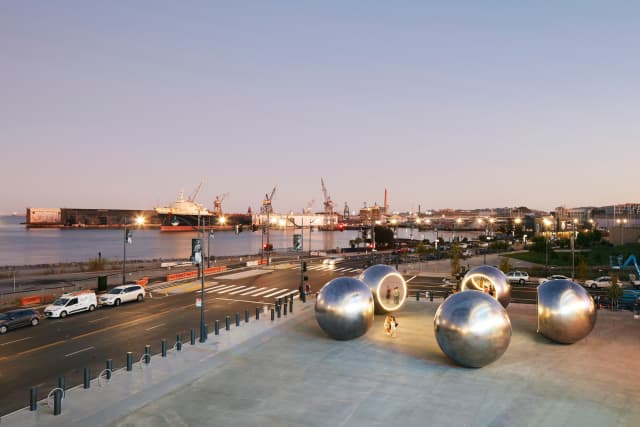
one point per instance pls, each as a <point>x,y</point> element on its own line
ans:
<point>408,280</point>
<point>253,290</point>
<point>97,320</point>
<point>225,287</point>
<point>255,294</point>
<point>233,289</point>
<point>153,327</point>
<point>242,290</point>
<point>11,342</point>
<point>79,351</point>
<point>275,293</point>
<point>215,288</point>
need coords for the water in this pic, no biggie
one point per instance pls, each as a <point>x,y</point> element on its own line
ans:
<point>22,246</point>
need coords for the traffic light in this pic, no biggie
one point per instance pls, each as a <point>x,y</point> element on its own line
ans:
<point>304,266</point>
<point>267,246</point>
<point>341,227</point>
<point>305,278</point>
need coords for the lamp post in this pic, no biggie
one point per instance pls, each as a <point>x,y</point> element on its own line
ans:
<point>203,330</point>
<point>574,234</point>
<point>128,240</point>
<point>546,223</point>
<point>621,223</point>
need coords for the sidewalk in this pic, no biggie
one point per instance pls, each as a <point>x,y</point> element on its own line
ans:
<point>288,373</point>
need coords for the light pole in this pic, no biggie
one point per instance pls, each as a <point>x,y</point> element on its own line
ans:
<point>203,326</point>
<point>574,234</point>
<point>209,248</point>
<point>546,223</point>
<point>621,223</point>
<point>128,240</point>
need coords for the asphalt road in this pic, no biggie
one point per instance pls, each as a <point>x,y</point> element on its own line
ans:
<point>36,356</point>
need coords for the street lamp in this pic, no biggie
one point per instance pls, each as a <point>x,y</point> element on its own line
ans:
<point>547,224</point>
<point>574,234</point>
<point>621,223</point>
<point>128,239</point>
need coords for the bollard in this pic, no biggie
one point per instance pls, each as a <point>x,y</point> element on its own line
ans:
<point>193,336</point>
<point>109,366</point>
<point>417,295</point>
<point>147,354</point>
<point>205,333</point>
<point>291,305</point>
<point>217,327</point>
<point>33,399</point>
<point>87,378</point>
<point>237,319</point>
<point>257,313</point>
<point>273,314</point>
<point>57,402</point>
<point>227,323</point>
<point>278,311</point>
<point>164,348</point>
<point>285,308</point>
<point>178,343</point>
<point>129,361</point>
<point>61,382</point>
<point>246,316</point>
<point>430,296</point>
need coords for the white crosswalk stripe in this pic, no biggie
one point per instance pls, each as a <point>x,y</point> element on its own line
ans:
<point>235,288</point>
<point>242,290</point>
<point>262,291</point>
<point>275,293</point>
<point>217,289</point>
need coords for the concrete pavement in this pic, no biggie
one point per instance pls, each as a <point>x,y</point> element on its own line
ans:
<point>288,373</point>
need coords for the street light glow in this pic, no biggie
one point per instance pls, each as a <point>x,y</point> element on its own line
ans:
<point>222,220</point>
<point>140,220</point>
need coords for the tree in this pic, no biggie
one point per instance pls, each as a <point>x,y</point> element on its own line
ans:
<point>614,292</point>
<point>421,248</point>
<point>505,264</point>
<point>583,269</point>
<point>456,253</point>
<point>384,236</point>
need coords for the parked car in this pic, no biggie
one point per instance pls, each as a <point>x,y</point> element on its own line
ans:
<point>332,260</point>
<point>71,303</point>
<point>553,277</point>
<point>18,318</point>
<point>520,277</point>
<point>599,282</point>
<point>123,293</point>
<point>630,297</point>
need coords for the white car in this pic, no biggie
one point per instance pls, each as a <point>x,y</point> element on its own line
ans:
<point>520,277</point>
<point>123,293</point>
<point>553,277</point>
<point>332,260</point>
<point>72,303</point>
<point>599,282</point>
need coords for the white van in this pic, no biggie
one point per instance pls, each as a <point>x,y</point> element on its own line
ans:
<point>71,303</point>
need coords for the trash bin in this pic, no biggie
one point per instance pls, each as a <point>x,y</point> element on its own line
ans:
<point>102,283</point>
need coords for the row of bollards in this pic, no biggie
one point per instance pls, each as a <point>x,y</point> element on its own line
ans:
<point>279,308</point>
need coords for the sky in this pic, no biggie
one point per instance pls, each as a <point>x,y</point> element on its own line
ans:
<point>445,104</point>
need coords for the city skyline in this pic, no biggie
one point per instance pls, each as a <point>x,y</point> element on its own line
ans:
<point>121,106</point>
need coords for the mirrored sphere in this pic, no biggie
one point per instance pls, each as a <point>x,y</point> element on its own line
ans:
<point>388,287</point>
<point>566,311</point>
<point>490,280</point>
<point>344,308</point>
<point>472,328</point>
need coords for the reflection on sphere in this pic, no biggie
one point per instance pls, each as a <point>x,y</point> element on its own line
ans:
<point>388,287</point>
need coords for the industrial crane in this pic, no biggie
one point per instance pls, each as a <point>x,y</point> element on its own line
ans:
<point>307,208</point>
<point>328,203</point>
<point>217,204</point>
<point>192,196</point>
<point>266,203</point>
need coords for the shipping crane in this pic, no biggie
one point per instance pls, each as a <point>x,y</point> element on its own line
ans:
<point>328,203</point>
<point>194,194</point>
<point>307,208</point>
<point>267,208</point>
<point>217,204</point>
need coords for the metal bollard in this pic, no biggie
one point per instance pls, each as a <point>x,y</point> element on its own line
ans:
<point>178,343</point>
<point>291,305</point>
<point>87,378</point>
<point>246,316</point>
<point>227,323</point>
<point>57,402</point>
<point>417,295</point>
<point>33,399</point>
<point>279,311</point>
<point>193,336</point>
<point>285,309</point>
<point>109,366</point>
<point>147,354</point>
<point>273,314</point>
<point>164,348</point>
<point>61,382</point>
<point>217,327</point>
<point>431,296</point>
<point>257,313</point>
<point>237,319</point>
<point>129,361</point>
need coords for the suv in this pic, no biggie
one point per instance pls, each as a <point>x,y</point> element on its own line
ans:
<point>123,293</point>
<point>18,318</point>
<point>520,277</point>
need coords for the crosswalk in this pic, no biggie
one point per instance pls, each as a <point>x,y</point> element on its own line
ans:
<point>324,267</point>
<point>251,291</point>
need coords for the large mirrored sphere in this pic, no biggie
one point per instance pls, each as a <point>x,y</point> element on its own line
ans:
<point>472,328</point>
<point>490,280</point>
<point>566,311</point>
<point>388,287</point>
<point>344,308</point>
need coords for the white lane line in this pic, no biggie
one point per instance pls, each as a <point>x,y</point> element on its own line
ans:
<point>244,300</point>
<point>153,327</point>
<point>242,290</point>
<point>255,294</point>
<point>14,341</point>
<point>275,293</point>
<point>237,288</point>
<point>408,280</point>
<point>79,351</point>
<point>212,289</point>
<point>98,319</point>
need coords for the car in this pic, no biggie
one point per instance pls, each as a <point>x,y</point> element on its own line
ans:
<point>332,260</point>
<point>123,293</point>
<point>520,277</point>
<point>629,299</point>
<point>553,277</point>
<point>599,282</point>
<point>72,303</point>
<point>18,318</point>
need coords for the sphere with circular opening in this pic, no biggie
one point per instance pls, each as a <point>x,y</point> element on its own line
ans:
<point>490,280</point>
<point>388,287</point>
